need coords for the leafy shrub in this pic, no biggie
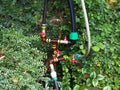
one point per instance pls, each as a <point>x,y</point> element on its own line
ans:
<point>101,68</point>
<point>23,65</point>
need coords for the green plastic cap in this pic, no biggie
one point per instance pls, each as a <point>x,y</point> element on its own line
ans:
<point>73,36</point>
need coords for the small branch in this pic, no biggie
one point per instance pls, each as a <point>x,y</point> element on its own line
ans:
<point>2,57</point>
<point>57,19</point>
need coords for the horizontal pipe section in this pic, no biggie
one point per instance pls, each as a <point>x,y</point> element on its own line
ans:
<point>57,59</point>
<point>57,41</point>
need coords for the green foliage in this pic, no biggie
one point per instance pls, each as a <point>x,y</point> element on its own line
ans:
<point>22,14</point>
<point>77,87</point>
<point>103,64</point>
<point>21,63</point>
<point>22,66</point>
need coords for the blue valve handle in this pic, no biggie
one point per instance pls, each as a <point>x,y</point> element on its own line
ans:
<point>77,56</point>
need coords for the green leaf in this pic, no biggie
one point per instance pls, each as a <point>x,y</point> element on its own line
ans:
<point>107,88</point>
<point>93,75</point>
<point>95,82</point>
<point>83,51</point>
<point>96,48</point>
<point>83,71</point>
<point>77,87</point>
<point>85,89</point>
<point>101,45</point>
<point>88,82</point>
<point>65,69</point>
<point>100,77</point>
<point>81,47</point>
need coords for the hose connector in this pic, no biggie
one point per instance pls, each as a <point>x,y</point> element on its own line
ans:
<point>53,73</point>
<point>77,56</point>
<point>73,36</point>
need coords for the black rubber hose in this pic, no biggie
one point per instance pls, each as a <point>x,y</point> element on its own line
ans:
<point>56,85</point>
<point>72,15</point>
<point>44,12</point>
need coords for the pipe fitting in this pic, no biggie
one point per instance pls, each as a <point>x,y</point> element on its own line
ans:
<point>43,33</point>
<point>73,60</point>
<point>53,72</point>
<point>77,56</point>
<point>57,59</point>
<point>57,41</point>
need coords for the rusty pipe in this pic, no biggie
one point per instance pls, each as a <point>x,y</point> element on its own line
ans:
<point>57,59</point>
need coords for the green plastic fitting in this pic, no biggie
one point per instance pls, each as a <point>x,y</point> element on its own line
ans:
<point>73,36</point>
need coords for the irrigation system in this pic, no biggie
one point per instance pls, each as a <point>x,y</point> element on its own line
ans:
<point>73,36</point>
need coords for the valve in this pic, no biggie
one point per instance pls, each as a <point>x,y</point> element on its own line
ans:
<point>73,60</point>
<point>65,38</point>
<point>77,56</point>
<point>58,53</point>
<point>42,34</point>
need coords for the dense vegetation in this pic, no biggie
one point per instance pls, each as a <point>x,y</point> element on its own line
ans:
<point>22,54</point>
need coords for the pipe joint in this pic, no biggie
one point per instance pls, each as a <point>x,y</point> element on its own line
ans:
<point>57,41</point>
<point>57,59</point>
<point>53,72</point>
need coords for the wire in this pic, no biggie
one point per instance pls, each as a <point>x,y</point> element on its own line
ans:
<point>72,15</point>
<point>44,12</point>
<point>56,85</point>
<point>87,27</point>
